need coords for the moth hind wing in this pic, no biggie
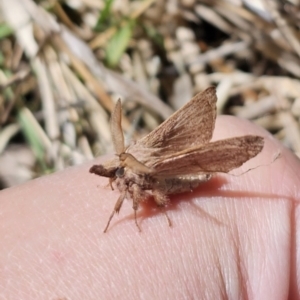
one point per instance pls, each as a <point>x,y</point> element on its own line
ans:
<point>220,156</point>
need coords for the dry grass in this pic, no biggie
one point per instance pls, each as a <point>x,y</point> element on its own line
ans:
<point>63,64</point>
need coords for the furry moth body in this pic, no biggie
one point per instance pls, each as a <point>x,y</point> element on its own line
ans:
<point>175,157</point>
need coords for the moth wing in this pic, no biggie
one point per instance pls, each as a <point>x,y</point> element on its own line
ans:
<point>116,128</point>
<point>191,125</point>
<point>220,156</point>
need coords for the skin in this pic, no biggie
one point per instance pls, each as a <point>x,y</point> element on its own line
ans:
<point>234,237</point>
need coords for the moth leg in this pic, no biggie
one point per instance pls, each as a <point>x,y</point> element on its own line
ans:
<point>111,180</point>
<point>117,208</point>
<point>162,200</point>
<point>137,195</point>
<point>135,220</point>
<point>135,208</point>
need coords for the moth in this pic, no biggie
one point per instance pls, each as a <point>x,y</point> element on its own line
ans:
<point>175,157</point>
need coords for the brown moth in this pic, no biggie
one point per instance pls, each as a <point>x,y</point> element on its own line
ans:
<point>175,157</point>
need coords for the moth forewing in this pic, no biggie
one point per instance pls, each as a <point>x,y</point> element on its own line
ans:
<point>191,125</point>
<point>175,157</point>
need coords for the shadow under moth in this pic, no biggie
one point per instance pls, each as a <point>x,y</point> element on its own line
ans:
<point>175,157</point>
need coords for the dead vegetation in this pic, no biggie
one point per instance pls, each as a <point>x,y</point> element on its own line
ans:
<point>63,64</point>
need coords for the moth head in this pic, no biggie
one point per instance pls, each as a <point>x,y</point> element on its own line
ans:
<point>120,172</point>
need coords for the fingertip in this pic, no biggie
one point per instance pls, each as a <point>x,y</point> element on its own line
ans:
<point>276,168</point>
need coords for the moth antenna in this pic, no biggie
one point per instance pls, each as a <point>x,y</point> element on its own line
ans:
<point>116,128</point>
<point>277,156</point>
<point>111,180</point>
